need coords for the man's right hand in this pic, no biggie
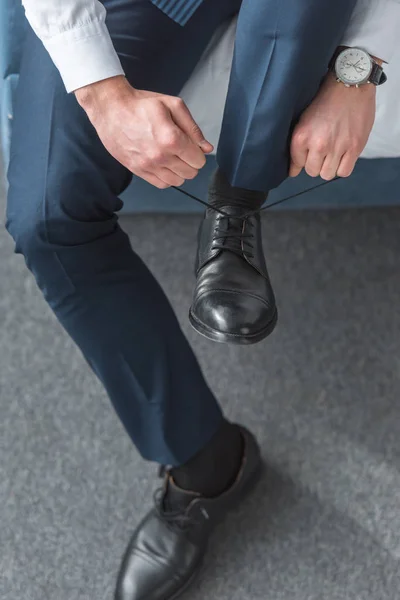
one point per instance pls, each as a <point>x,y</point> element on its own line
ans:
<point>151,134</point>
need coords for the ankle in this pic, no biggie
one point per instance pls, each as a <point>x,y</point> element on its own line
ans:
<point>221,193</point>
<point>216,466</point>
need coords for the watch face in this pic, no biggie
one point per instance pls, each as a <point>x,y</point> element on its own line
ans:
<point>353,66</point>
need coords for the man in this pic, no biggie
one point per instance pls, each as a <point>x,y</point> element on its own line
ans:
<point>113,112</point>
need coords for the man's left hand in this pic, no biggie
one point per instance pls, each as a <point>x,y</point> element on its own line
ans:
<point>333,130</point>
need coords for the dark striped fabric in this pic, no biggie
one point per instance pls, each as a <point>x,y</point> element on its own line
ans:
<point>179,10</point>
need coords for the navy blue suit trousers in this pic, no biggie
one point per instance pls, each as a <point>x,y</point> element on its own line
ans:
<point>64,192</point>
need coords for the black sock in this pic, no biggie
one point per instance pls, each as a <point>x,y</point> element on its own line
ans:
<point>221,193</point>
<point>214,469</point>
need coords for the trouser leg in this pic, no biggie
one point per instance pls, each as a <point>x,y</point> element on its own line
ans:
<point>283,48</point>
<point>62,205</point>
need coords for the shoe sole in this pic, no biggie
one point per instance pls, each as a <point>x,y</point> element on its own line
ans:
<point>247,489</point>
<point>232,338</point>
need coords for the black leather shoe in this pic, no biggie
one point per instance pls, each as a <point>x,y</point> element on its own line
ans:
<point>167,549</point>
<point>233,299</point>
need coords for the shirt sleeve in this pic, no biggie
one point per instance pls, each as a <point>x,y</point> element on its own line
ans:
<point>375,27</point>
<point>76,36</point>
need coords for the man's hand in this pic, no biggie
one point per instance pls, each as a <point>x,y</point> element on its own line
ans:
<point>151,134</point>
<point>333,130</point>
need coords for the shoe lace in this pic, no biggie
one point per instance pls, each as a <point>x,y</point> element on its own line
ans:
<point>258,210</point>
<point>175,519</point>
<point>230,235</point>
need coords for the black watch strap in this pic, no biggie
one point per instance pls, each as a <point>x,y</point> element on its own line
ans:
<point>378,75</point>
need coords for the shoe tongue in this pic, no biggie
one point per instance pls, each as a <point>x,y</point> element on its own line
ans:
<point>228,209</point>
<point>234,211</point>
<point>175,498</point>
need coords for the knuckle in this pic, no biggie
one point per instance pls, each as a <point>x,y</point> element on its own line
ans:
<point>179,181</point>
<point>156,157</point>
<point>145,163</point>
<point>345,143</point>
<point>178,102</point>
<point>356,146</point>
<point>157,103</point>
<point>162,185</point>
<point>321,144</point>
<point>170,140</point>
<point>300,137</point>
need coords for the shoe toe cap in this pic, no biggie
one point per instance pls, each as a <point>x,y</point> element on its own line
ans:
<point>135,581</point>
<point>233,313</point>
<point>158,562</point>
<point>144,578</point>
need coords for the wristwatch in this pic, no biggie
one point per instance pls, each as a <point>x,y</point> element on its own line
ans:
<point>355,67</point>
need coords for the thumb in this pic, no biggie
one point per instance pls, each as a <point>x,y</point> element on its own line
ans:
<point>183,118</point>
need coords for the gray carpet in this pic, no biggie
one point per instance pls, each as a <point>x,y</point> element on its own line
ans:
<point>322,394</point>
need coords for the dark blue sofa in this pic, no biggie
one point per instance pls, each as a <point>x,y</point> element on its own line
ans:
<point>374,182</point>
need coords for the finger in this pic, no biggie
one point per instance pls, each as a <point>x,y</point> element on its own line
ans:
<point>189,153</point>
<point>330,167</point>
<point>347,164</point>
<point>174,143</point>
<point>154,180</point>
<point>181,168</point>
<point>183,118</point>
<point>298,154</point>
<point>314,163</point>
<point>294,169</point>
<point>169,177</point>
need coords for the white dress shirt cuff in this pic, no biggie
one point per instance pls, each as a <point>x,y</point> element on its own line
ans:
<point>84,55</point>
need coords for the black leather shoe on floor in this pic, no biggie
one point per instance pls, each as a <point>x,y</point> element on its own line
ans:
<point>233,299</point>
<point>167,549</point>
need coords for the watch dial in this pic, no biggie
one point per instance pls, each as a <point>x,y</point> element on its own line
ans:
<point>353,66</point>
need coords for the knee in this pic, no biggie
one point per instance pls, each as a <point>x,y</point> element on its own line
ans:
<point>57,214</point>
<point>27,232</point>
<point>32,217</point>
<point>29,228</point>
<point>25,223</point>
